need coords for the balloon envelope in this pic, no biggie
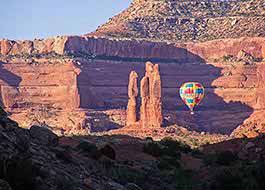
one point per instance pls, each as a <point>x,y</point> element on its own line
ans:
<point>192,94</point>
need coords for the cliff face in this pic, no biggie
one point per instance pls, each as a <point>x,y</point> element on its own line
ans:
<point>191,20</point>
<point>131,50</point>
<point>25,85</point>
<point>79,73</point>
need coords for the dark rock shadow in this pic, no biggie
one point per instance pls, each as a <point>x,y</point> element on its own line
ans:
<point>88,99</point>
<point>9,78</point>
<point>99,122</point>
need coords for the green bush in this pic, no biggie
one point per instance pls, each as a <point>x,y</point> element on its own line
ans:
<point>166,147</point>
<point>173,145</point>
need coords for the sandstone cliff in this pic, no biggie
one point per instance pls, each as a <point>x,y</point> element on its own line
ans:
<point>77,76</point>
<point>130,50</point>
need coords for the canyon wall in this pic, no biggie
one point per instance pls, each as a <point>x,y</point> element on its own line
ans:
<point>25,85</point>
<point>92,73</point>
<point>130,50</point>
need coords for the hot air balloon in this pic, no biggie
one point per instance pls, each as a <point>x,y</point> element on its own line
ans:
<point>192,94</point>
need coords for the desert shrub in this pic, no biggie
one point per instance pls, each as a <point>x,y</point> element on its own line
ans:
<point>90,149</point>
<point>107,163</point>
<point>243,176</point>
<point>108,151</point>
<point>253,175</point>
<point>153,148</point>
<point>124,175</point>
<point>209,159</point>
<point>173,145</point>
<point>167,162</point>
<point>197,153</point>
<point>177,178</point>
<point>228,58</point>
<point>149,139</point>
<point>166,147</point>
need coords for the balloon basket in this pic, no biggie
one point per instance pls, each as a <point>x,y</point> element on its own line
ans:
<point>192,113</point>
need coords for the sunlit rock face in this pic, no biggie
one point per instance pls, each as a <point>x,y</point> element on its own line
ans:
<point>190,20</point>
<point>151,110</point>
<point>59,80</point>
<point>131,115</point>
<point>150,114</point>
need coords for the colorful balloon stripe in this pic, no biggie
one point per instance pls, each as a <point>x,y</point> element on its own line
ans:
<point>191,93</point>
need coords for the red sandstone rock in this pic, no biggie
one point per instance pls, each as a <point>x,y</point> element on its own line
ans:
<point>6,46</point>
<point>236,86</point>
<point>145,102</point>
<point>150,88</point>
<point>132,93</point>
<point>151,111</point>
<point>21,47</point>
<point>246,57</point>
<point>184,52</point>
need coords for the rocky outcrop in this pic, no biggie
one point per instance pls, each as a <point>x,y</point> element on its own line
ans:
<point>38,46</point>
<point>189,20</point>
<point>245,57</point>
<point>26,162</point>
<point>150,89</point>
<point>43,135</point>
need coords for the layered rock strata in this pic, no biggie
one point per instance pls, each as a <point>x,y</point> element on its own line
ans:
<point>131,50</point>
<point>79,79</point>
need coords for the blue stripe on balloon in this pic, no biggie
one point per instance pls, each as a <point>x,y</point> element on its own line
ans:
<point>199,91</point>
<point>190,101</point>
<point>189,85</point>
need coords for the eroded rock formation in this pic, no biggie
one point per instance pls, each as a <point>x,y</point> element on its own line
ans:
<point>150,89</point>
<point>132,102</point>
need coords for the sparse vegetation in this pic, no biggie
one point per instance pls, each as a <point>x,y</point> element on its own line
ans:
<point>228,58</point>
